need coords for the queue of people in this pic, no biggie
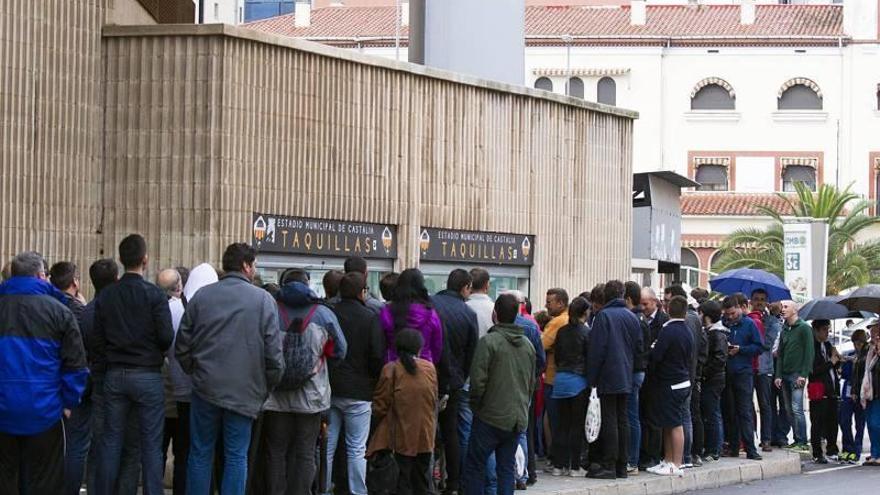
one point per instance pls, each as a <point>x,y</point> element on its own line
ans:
<point>272,389</point>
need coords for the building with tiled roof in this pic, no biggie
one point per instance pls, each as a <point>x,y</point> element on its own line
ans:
<point>745,99</point>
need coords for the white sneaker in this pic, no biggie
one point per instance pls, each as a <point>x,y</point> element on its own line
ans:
<point>557,472</point>
<point>576,473</point>
<point>659,468</point>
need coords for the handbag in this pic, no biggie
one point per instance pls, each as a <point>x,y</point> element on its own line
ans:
<point>816,391</point>
<point>593,422</point>
<point>382,469</point>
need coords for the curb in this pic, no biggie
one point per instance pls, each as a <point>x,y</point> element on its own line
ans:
<point>697,479</point>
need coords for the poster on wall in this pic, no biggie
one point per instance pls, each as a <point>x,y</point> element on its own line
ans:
<point>805,258</point>
<point>490,248</point>
<point>313,236</point>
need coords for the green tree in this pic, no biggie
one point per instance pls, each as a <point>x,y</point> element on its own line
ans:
<point>850,263</point>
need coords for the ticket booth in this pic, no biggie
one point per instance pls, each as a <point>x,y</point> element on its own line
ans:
<point>320,245</point>
<point>508,257</point>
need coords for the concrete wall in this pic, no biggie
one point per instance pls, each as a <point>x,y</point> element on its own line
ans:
<point>206,124</point>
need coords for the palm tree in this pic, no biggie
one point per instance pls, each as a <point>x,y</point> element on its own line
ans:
<point>850,263</point>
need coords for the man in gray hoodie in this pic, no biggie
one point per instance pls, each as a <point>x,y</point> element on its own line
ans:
<point>229,341</point>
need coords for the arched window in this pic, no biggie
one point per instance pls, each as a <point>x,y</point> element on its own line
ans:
<point>576,87</point>
<point>689,268</point>
<point>544,83</point>
<point>713,262</point>
<point>713,97</point>
<point>606,91</point>
<point>798,173</point>
<point>799,94</point>
<point>711,177</point>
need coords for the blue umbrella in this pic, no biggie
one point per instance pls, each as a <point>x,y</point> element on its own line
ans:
<point>829,308</point>
<point>746,280</point>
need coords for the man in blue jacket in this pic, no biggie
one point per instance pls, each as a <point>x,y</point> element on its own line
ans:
<point>42,377</point>
<point>615,339</point>
<point>745,344</point>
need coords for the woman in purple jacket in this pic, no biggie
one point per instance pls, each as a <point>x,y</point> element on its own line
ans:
<point>411,308</point>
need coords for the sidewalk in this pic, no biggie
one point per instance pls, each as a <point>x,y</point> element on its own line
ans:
<point>725,472</point>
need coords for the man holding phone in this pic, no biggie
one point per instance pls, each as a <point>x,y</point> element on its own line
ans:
<point>794,364</point>
<point>745,344</point>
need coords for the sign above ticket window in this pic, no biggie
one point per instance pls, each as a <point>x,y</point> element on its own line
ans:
<point>299,235</point>
<point>487,248</point>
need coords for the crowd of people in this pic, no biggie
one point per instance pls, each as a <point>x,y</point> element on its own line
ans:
<point>269,388</point>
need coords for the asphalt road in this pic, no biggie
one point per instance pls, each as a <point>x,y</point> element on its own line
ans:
<point>851,480</point>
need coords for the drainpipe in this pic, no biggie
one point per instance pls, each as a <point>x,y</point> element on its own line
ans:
<point>201,11</point>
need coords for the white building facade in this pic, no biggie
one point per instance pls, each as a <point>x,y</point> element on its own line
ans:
<point>745,98</point>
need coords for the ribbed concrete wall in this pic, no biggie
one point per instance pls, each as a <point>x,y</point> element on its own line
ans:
<point>50,127</point>
<point>204,125</point>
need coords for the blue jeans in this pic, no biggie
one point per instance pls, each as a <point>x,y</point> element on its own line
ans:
<point>852,410</point>
<point>872,420</point>
<point>632,414</point>
<point>524,445</point>
<point>206,423</point>
<point>130,463</point>
<point>485,440</point>
<point>742,387</point>
<point>688,425</point>
<point>763,384</point>
<point>711,406</point>
<point>793,397</point>
<point>78,438</point>
<point>780,418</point>
<point>355,415</point>
<point>465,423</point>
<point>140,393</point>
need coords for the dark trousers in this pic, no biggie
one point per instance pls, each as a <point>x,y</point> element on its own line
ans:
<point>614,433</point>
<point>850,411</point>
<point>823,426</point>
<point>449,431</point>
<point>486,440</point>
<point>568,440</point>
<point>39,457</point>
<point>763,386</point>
<point>78,439</point>
<point>697,420</point>
<point>532,444</point>
<point>177,435</point>
<point>290,443</point>
<point>780,417</point>
<point>652,435</point>
<point>414,478</point>
<point>710,401</point>
<point>138,392</point>
<point>130,463</point>
<point>742,426</point>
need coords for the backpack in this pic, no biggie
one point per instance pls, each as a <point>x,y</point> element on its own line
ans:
<point>300,361</point>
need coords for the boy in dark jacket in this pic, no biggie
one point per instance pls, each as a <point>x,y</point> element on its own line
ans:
<point>713,377</point>
<point>822,392</point>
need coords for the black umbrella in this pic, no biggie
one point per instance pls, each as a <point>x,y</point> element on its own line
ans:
<point>829,308</point>
<point>865,298</point>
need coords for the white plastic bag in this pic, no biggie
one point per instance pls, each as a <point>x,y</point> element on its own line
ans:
<point>520,463</point>
<point>593,423</point>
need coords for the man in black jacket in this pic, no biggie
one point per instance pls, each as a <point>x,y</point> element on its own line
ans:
<point>823,394</point>
<point>652,435</point>
<point>132,333</point>
<point>353,379</point>
<point>460,334</point>
<point>633,298</point>
<point>713,377</point>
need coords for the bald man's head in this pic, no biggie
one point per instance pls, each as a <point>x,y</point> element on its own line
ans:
<point>169,281</point>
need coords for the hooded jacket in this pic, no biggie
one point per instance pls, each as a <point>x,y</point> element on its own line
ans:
<point>717,338</point>
<point>795,350</point>
<point>615,338</point>
<point>745,334</point>
<point>772,327</point>
<point>460,335</point>
<point>503,378</point>
<point>229,343</point>
<point>43,368</point>
<point>419,317</point>
<point>327,342</point>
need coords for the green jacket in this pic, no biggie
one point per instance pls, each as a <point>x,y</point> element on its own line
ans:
<point>796,351</point>
<point>503,378</point>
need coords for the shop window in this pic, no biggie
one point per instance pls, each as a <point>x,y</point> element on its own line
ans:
<point>544,83</point>
<point>800,97</point>
<point>713,97</point>
<point>711,177</point>
<point>798,173</point>
<point>689,271</point>
<point>576,87</point>
<point>606,91</point>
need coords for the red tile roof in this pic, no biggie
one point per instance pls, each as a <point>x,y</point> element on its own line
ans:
<point>676,21</point>
<point>730,204</point>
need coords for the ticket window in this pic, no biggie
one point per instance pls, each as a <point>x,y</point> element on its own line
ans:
<point>500,278</point>
<point>270,267</point>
